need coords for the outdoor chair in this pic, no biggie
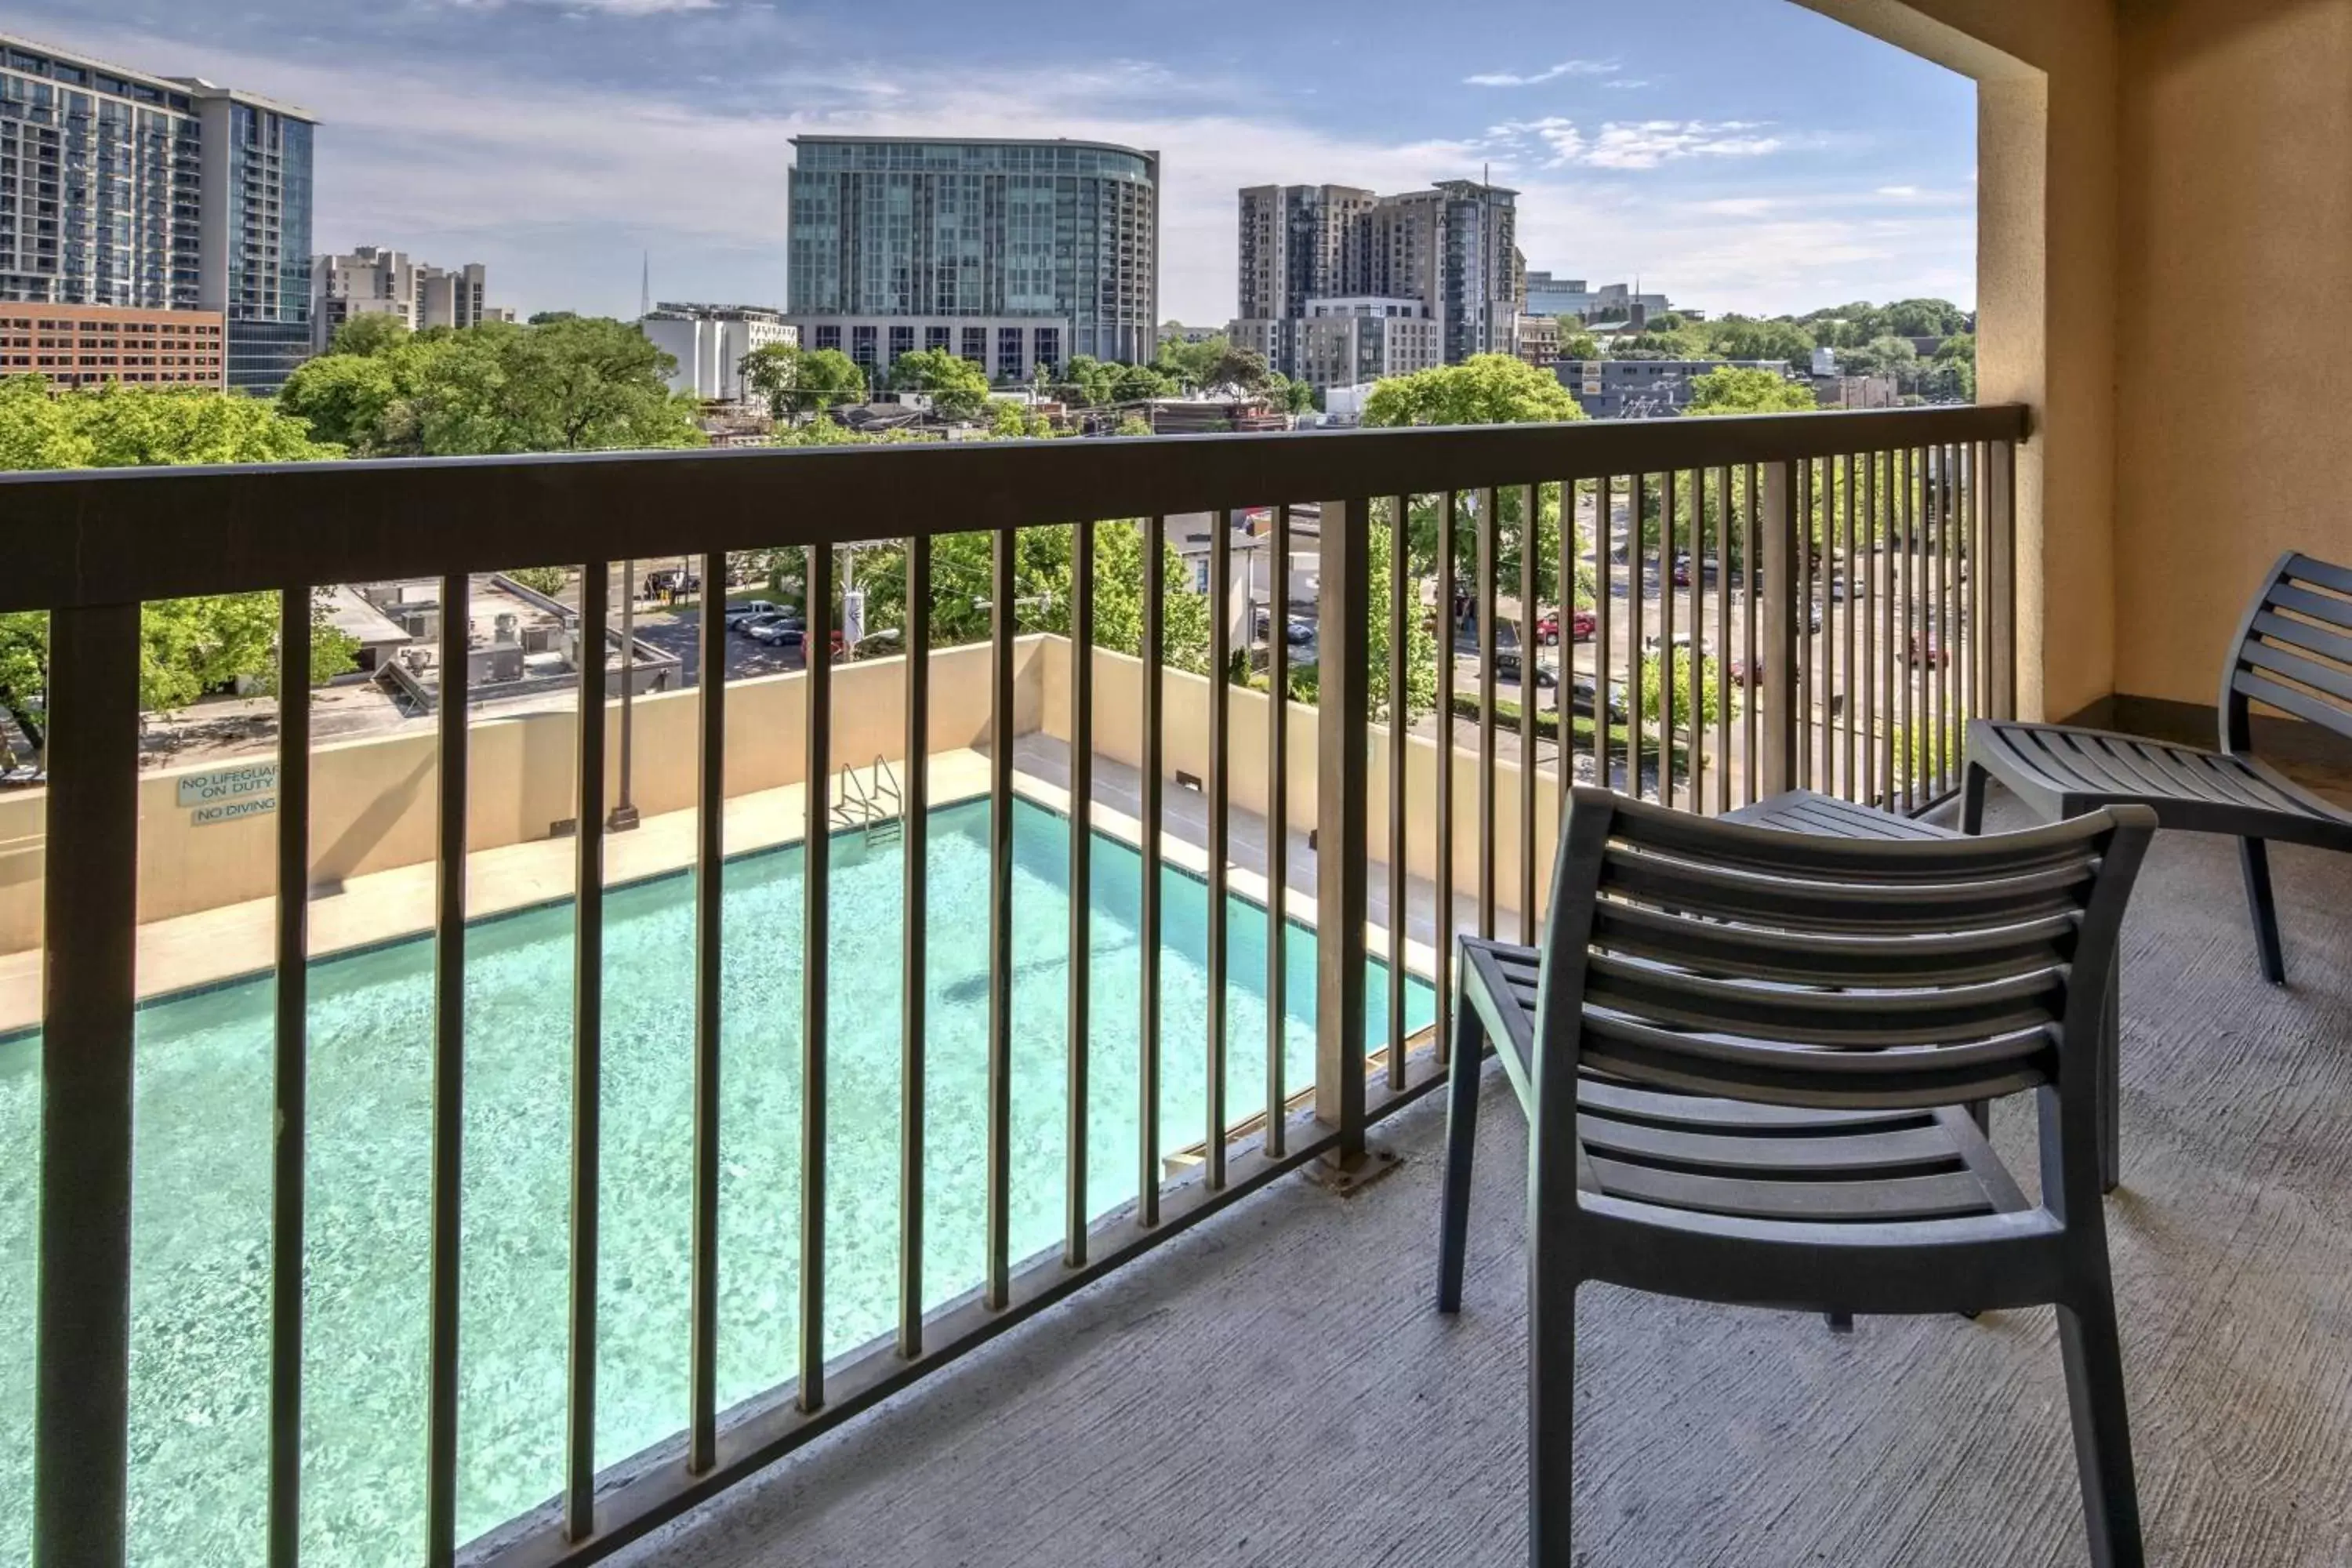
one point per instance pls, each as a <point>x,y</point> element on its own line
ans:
<point>2293,654</point>
<point>1742,1054</point>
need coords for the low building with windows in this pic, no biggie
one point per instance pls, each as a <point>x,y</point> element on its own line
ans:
<point>1339,341</point>
<point>89,345</point>
<point>1644,388</point>
<point>709,343</point>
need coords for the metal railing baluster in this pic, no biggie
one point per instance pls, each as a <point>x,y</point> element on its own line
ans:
<point>1220,782</point>
<point>1530,700</point>
<point>1399,631</point>
<point>914,960</point>
<point>1278,836</point>
<point>996,1287</point>
<point>1447,751</point>
<point>81,1398</point>
<point>587,1040</point>
<point>816,954</point>
<point>448,1080</point>
<point>1148,933</point>
<point>709,918</point>
<point>1076,1209</point>
<point>1342,866</point>
<point>1669,503</point>
<point>1484,613</point>
<point>1604,593</point>
<point>291,1077</point>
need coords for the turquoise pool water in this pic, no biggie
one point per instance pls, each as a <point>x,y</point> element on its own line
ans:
<point>201,1198</point>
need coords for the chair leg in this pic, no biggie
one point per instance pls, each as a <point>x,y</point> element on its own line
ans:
<point>1461,1139</point>
<point>2092,1352</point>
<point>2254,855</point>
<point>1973,780</point>
<point>2111,1083</point>
<point>1839,1323</point>
<point>1551,1397</point>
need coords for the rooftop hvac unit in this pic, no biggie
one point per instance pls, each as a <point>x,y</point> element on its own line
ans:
<point>507,627</point>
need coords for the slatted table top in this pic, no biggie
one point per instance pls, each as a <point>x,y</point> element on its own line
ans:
<point>1805,810</point>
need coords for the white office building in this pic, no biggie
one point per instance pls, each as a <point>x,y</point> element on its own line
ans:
<point>709,342</point>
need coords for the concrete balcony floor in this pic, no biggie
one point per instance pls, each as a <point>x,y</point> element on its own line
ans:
<point>1274,1388</point>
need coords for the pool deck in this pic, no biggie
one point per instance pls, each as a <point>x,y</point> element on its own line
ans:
<point>236,941</point>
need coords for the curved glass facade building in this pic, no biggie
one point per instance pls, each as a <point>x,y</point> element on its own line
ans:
<point>1011,254</point>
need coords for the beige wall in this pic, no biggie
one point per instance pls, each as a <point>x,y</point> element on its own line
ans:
<point>372,803</point>
<point>1119,735</point>
<point>2236,413</point>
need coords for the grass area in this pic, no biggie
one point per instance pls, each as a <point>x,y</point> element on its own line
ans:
<point>1581,727</point>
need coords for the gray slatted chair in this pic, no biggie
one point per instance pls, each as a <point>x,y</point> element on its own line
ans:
<point>1743,1054</point>
<point>2295,654</point>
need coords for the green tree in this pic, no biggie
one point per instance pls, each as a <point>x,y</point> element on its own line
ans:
<point>369,332</point>
<point>793,380</point>
<point>1709,690</point>
<point>1190,365</point>
<point>1955,367</point>
<point>187,646</point>
<point>1485,389</point>
<point>1738,391</point>
<point>549,317</point>
<point>1883,355</point>
<point>1744,337</point>
<point>1925,319</point>
<point>1088,381</point>
<point>956,387</point>
<point>1846,326</point>
<point>1245,368</point>
<point>1138,382</point>
<point>1578,343</point>
<point>1294,396</point>
<point>574,383</point>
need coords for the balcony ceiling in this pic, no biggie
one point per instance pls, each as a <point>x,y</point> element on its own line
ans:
<point>1275,1389</point>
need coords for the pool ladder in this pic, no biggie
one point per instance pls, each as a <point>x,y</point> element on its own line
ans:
<point>873,806</point>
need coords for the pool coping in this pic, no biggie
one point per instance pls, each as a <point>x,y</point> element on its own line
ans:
<point>956,778</point>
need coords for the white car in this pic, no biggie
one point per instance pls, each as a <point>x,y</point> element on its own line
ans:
<point>738,614</point>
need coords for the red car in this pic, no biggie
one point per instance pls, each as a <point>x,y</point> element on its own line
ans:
<point>1581,624</point>
<point>1928,649</point>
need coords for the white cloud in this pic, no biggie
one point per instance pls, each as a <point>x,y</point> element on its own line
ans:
<point>1898,190</point>
<point>1626,83</point>
<point>558,188</point>
<point>599,8</point>
<point>1641,144</point>
<point>1550,73</point>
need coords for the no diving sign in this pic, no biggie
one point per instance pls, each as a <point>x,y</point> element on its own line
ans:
<point>226,795</point>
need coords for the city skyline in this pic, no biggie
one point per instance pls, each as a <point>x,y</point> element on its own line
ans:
<point>1739,154</point>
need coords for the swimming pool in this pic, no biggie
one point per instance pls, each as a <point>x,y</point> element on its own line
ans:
<point>199,1345</point>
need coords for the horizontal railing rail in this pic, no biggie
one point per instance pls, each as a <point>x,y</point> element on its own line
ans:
<point>1722,538</point>
<point>123,536</point>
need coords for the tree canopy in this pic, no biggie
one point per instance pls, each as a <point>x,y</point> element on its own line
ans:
<point>1746,337</point>
<point>957,387</point>
<point>186,646</point>
<point>572,384</point>
<point>1485,389</point>
<point>1734,390</point>
<point>791,379</point>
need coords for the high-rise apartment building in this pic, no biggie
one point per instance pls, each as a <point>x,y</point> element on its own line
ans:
<point>122,188</point>
<point>1449,251</point>
<point>371,279</point>
<point>1300,242</point>
<point>1013,255</point>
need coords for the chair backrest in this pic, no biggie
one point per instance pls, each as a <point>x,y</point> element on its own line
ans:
<point>1757,965</point>
<point>2294,652</point>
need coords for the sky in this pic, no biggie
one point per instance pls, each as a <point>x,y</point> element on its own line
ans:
<point>1736,155</point>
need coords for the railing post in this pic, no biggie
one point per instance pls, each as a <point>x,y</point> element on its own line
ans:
<point>1776,690</point>
<point>81,1407</point>
<point>1999,593</point>
<point>1343,860</point>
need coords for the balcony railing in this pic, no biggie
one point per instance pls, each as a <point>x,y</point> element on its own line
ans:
<point>1893,528</point>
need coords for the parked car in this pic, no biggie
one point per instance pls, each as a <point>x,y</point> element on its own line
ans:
<point>1928,649</point>
<point>766,621</point>
<point>1506,668</point>
<point>1682,571</point>
<point>737,614</point>
<point>1584,693</point>
<point>670,579</point>
<point>776,631</point>
<point>1581,624</point>
<point>1298,633</point>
